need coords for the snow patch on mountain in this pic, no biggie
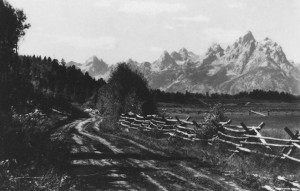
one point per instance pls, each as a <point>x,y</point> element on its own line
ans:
<point>95,67</point>
<point>245,65</point>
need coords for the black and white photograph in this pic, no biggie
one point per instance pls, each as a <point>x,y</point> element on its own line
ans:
<point>158,95</point>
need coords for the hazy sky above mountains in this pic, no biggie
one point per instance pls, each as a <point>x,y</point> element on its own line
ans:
<point>116,30</point>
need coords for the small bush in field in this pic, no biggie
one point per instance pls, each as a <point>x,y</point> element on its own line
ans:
<point>216,113</point>
<point>208,129</point>
<point>109,124</point>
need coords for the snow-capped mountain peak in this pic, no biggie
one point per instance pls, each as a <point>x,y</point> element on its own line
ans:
<point>164,62</point>
<point>184,56</point>
<point>184,53</point>
<point>247,38</point>
<point>92,59</point>
<point>216,50</point>
<point>245,65</point>
<point>96,68</point>
<point>273,50</point>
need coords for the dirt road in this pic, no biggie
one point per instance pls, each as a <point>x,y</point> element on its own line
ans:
<point>110,162</point>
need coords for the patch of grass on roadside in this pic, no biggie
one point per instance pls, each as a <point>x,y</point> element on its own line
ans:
<point>19,177</point>
<point>203,152</point>
<point>33,155</point>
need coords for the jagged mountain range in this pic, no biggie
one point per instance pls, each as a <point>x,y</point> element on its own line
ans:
<point>244,66</point>
<point>96,68</point>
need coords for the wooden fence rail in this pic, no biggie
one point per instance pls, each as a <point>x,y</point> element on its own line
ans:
<point>292,185</point>
<point>251,136</point>
<point>240,138</point>
<point>174,128</point>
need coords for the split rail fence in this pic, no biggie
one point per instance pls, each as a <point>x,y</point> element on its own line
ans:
<point>164,127</point>
<point>239,138</point>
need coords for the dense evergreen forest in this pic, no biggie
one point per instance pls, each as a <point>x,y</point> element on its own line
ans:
<point>30,79</point>
<point>188,97</point>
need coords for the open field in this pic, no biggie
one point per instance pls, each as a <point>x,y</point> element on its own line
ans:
<point>280,114</point>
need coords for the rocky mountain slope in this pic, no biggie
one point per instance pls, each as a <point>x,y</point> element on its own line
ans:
<point>96,68</point>
<point>244,66</point>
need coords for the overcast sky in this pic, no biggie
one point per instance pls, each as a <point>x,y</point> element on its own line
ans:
<point>116,30</point>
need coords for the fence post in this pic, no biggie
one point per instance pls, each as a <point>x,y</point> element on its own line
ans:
<point>293,137</point>
<point>179,120</point>
<point>196,124</point>
<point>261,125</point>
<point>188,118</point>
<point>245,127</point>
<point>291,134</point>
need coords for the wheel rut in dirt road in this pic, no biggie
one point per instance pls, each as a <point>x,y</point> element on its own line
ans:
<point>112,162</point>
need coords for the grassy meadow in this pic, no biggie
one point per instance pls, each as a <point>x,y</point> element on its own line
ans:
<point>280,114</point>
